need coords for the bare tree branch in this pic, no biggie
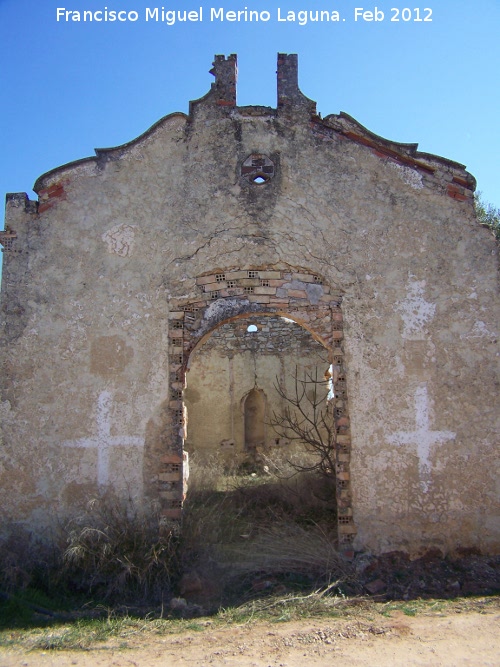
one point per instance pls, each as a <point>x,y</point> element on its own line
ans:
<point>308,417</point>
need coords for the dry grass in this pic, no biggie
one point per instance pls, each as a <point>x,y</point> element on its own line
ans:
<point>268,526</point>
<point>116,551</point>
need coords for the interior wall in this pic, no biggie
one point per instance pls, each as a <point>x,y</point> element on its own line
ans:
<point>224,374</point>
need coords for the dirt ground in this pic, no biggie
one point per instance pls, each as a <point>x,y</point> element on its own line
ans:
<point>451,638</point>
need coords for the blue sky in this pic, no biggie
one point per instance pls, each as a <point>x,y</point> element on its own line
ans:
<point>68,87</point>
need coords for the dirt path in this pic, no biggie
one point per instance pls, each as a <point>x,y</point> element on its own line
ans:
<point>454,639</point>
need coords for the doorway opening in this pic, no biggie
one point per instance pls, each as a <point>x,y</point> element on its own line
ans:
<point>255,489</point>
<point>232,310</point>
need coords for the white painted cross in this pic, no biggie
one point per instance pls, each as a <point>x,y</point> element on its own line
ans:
<point>103,441</point>
<point>422,436</point>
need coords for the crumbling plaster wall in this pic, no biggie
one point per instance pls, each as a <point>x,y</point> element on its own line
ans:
<point>118,240</point>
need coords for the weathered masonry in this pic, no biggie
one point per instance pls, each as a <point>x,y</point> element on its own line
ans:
<point>229,225</point>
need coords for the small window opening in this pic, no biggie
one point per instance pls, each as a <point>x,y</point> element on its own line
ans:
<point>260,179</point>
<point>252,328</point>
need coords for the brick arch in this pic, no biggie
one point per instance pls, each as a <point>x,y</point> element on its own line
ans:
<point>227,295</point>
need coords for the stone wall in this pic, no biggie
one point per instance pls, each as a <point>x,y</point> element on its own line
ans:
<point>131,259</point>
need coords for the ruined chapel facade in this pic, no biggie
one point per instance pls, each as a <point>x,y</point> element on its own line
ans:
<point>270,226</point>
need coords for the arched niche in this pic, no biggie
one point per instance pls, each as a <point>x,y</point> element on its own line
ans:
<point>254,411</point>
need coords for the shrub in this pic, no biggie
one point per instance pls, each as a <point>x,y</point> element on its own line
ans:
<point>118,552</point>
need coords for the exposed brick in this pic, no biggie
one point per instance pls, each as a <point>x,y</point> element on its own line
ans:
<point>170,477</point>
<point>45,206</point>
<point>171,458</point>
<point>176,333</point>
<point>458,193</point>
<point>213,287</point>
<point>235,275</point>
<point>270,275</point>
<point>462,182</point>
<point>347,529</point>
<point>205,280</point>
<point>458,196</point>
<point>249,282</point>
<point>304,277</point>
<point>55,191</point>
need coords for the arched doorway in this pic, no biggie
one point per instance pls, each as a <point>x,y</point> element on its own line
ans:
<point>298,296</point>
